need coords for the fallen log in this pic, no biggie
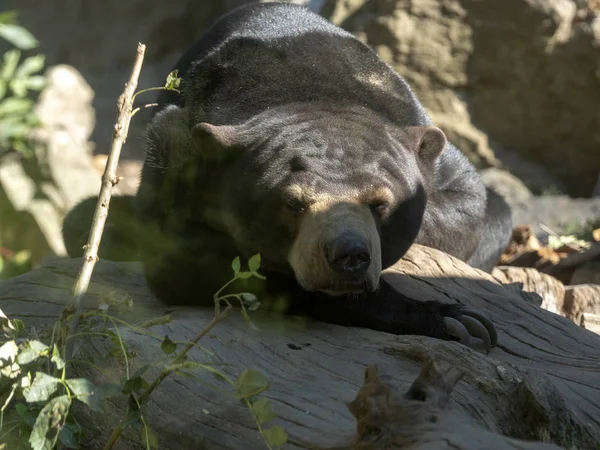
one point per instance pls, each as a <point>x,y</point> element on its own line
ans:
<point>391,419</point>
<point>541,383</point>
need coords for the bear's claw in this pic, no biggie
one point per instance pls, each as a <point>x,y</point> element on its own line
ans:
<point>469,323</point>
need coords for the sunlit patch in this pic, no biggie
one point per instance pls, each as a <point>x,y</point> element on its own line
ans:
<point>374,79</point>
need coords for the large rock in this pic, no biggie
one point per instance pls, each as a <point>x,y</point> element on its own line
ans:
<point>512,76</point>
<point>523,71</point>
<point>551,291</point>
<point>36,193</point>
<point>506,184</point>
<point>582,299</point>
<point>558,212</point>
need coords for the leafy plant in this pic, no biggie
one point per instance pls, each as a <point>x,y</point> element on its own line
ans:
<point>33,380</point>
<point>582,231</point>
<point>18,78</point>
<point>36,392</point>
<point>14,263</point>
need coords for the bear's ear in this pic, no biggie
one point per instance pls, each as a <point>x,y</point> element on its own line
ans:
<point>429,142</point>
<point>215,141</point>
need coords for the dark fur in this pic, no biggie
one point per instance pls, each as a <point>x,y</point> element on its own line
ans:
<point>287,80</point>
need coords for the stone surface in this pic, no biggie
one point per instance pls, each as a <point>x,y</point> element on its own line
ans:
<point>581,299</point>
<point>557,212</point>
<point>522,71</point>
<point>36,193</point>
<point>506,184</point>
<point>591,322</point>
<point>501,78</point>
<point>548,288</point>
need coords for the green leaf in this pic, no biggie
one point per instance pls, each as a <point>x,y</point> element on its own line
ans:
<point>12,128</point>
<point>109,390</point>
<point>168,346</point>
<point>8,354</point>
<point>87,392</point>
<point>8,17</point>
<point>18,327</point>
<point>11,60</point>
<point>245,275</point>
<point>235,265</point>
<point>173,81</point>
<point>254,263</point>
<point>51,418</point>
<point>18,36</point>
<point>141,371</point>
<point>56,359</point>
<point>262,410</point>
<point>18,87</point>
<point>133,418</point>
<point>35,83</point>
<point>134,384</point>
<point>21,409</point>
<point>31,351</point>
<point>149,441</point>
<point>30,65</point>
<point>12,106</point>
<point>3,88</point>
<point>69,435</point>
<point>275,436</point>
<point>251,382</point>
<point>220,377</point>
<point>41,389</point>
<point>28,414</point>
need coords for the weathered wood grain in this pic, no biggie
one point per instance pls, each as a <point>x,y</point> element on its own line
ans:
<point>541,383</point>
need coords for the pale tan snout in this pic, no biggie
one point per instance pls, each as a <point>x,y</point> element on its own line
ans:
<point>337,249</point>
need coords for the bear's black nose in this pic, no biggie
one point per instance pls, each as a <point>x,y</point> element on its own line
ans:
<point>348,254</point>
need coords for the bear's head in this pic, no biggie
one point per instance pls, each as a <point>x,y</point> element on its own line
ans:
<point>330,195</point>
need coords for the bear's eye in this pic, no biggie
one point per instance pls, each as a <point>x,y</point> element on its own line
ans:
<point>295,205</point>
<point>380,208</point>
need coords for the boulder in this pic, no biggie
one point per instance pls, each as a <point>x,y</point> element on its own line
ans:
<point>522,71</point>
<point>558,212</point>
<point>551,291</point>
<point>498,77</point>
<point>582,299</point>
<point>512,189</point>
<point>36,192</point>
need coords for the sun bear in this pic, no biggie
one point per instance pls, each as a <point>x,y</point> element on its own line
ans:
<point>293,139</point>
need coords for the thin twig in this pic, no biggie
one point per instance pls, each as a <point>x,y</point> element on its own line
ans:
<point>116,434</point>
<point>109,179</point>
<point>149,105</point>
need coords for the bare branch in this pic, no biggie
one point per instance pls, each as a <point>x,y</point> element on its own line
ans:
<point>109,179</point>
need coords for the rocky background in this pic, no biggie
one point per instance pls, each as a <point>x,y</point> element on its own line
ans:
<point>514,83</point>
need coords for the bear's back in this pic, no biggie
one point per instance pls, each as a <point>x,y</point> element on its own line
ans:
<point>266,55</point>
<point>257,20</point>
